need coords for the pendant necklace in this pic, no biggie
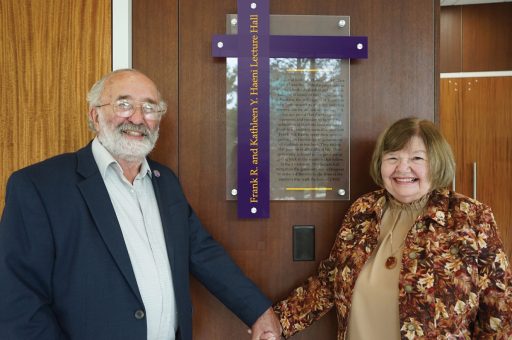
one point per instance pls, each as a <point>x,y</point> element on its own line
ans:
<point>391,261</point>
<point>403,215</point>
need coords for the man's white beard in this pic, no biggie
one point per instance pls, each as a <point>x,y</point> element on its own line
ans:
<point>113,139</point>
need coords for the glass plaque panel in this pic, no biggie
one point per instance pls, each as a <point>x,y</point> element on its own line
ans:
<point>309,117</point>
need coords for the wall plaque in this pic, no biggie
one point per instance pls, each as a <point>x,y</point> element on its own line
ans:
<point>260,42</point>
<point>309,116</point>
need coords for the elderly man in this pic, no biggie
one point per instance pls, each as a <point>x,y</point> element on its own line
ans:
<point>99,244</point>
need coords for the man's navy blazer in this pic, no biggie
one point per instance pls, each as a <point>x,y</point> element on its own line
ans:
<point>65,272</point>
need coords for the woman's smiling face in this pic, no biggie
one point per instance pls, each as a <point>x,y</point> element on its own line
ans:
<point>405,173</point>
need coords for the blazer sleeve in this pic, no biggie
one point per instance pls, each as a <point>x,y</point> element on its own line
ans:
<point>494,319</point>
<point>214,268</point>
<point>316,296</point>
<point>26,263</point>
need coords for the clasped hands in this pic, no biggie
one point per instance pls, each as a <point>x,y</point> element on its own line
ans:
<point>267,327</point>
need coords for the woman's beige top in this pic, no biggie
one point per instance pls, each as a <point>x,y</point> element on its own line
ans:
<point>374,311</point>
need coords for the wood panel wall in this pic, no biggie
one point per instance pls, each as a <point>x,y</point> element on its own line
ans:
<point>155,52</point>
<point>476,37</point>
<point>399,79</point>
<point>451,39</point>
<point>51,52</point>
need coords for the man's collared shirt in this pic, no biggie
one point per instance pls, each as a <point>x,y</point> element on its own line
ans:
<point>137,212</point>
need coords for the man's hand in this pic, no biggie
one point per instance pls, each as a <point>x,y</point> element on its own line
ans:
<point>267,327</point>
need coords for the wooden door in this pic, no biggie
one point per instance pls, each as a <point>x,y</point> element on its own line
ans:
<point>476,116</point>
<point>172,42</point>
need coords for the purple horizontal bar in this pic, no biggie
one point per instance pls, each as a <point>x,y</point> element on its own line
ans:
<point>294,46</point>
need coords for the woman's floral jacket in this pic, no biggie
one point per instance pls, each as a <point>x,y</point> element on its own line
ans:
<point>455,280</point>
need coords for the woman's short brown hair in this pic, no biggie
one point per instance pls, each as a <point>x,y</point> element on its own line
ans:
<point>439,153</point>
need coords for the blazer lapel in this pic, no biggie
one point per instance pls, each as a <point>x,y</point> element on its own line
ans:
<point>96,196</point>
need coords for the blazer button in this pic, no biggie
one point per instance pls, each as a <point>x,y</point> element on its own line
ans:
<point>139,314</point>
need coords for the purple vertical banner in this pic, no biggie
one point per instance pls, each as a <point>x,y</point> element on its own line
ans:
<point>253,109</point>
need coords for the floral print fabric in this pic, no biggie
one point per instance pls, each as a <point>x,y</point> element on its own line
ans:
<point>455,280</point>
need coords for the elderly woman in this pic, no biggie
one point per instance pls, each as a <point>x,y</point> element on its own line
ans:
<point>412,260</point>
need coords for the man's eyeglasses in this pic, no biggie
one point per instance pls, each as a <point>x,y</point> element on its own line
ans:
<point>125,108</point>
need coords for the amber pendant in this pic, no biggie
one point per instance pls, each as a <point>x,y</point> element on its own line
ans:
<point>391,262</point>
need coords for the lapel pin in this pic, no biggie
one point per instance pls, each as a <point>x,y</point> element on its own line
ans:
<point>157,173</point>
